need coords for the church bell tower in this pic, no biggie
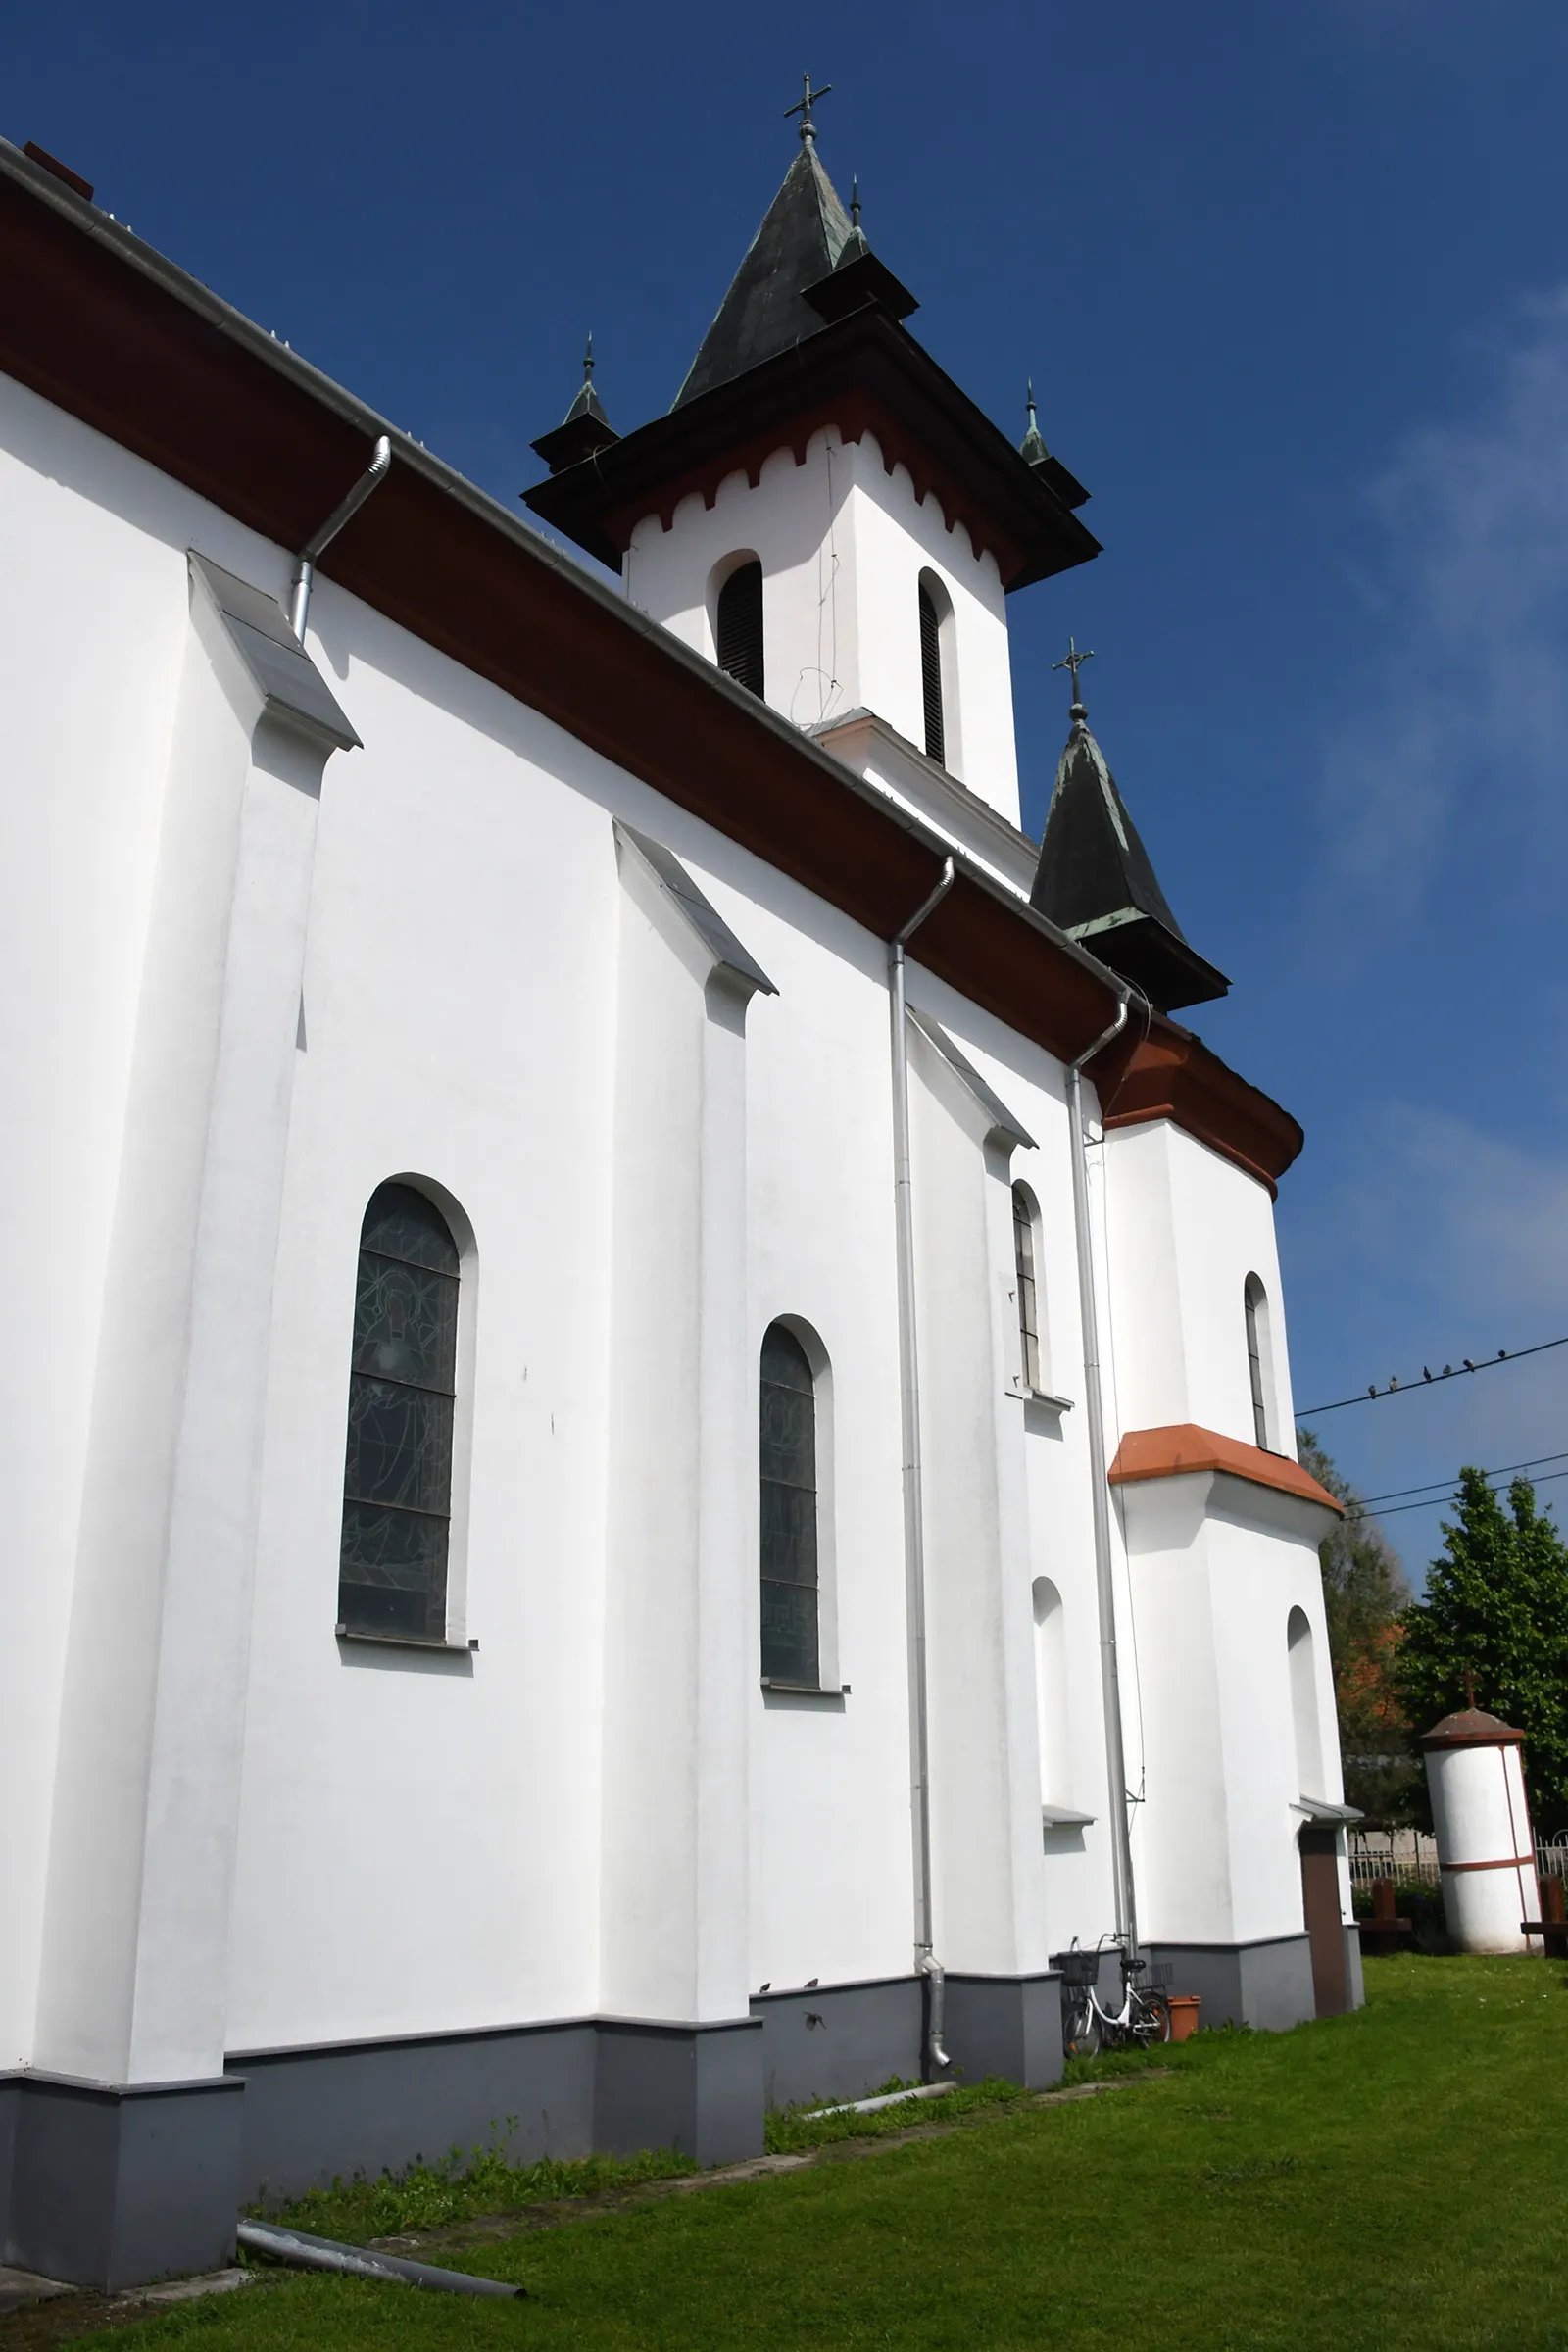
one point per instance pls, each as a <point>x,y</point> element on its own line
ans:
<point>822,512</point>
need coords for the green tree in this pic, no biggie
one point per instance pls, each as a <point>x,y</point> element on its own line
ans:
<point>1495,1619</point>
<point>1364,1591</point>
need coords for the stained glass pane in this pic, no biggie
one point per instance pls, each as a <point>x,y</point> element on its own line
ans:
<point>789,1532</point>
<point>789,1633</point>
<point>400,1446</point>
<point>397,1483</point>
<point>394,1572</point>
<point>402,1223</point>
<point>406,1323</point>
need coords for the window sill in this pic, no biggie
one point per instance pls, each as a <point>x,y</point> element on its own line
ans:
<point>1053,1404</point>
<point>806,1689</point>
<point>346,1632</point>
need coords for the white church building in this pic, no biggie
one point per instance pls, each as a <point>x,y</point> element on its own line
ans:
<point>647,1416</point>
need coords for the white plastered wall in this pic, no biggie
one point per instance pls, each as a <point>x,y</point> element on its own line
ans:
<point>842,543</point>
<point>461,1024</point>
<point>1186,1227</point>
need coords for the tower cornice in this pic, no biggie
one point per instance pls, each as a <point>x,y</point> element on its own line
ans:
<point>862,374</point>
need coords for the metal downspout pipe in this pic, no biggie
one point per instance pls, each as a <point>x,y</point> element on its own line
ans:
<point>925,1960</point>
<point>309,554</point>
<point>1126,1907</point>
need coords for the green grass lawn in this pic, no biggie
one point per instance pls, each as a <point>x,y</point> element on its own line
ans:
<point>1398,2178</point>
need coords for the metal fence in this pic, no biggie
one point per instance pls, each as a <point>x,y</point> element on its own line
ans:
<point>1412,1855</point>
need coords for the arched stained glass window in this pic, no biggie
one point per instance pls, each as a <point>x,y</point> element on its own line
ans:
<point>789,1555</point>
<point>1023,1251</point>
<point>397,1480</point>
<point>740,627</point>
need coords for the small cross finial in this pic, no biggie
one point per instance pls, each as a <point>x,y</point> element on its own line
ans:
<point>854,202</point>
<point>1469,1687</point>
<point>1029,403</point>
<point>1074,661</point>
<point>588,359</point>
<point>804,110</point>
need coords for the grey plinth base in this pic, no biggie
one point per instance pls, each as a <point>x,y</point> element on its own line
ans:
<point>698,2088</point>
<point>1008,2025</point>
<point>339,2108</point>
<point>108,2186</point>
<point>562,2090</point>
<point>1264,1985</point>
<point>111,2184</point>
<point>1352,1968</point>
<point>840,2042</point>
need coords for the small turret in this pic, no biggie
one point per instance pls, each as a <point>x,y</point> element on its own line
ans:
<point>1051,472</point>
<point>1095,880</point>
<point>585,428</point>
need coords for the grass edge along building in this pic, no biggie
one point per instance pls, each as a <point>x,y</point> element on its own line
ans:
<point>601,1535</point>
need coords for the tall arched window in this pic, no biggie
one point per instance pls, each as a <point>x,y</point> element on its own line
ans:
<point>1258,1363</point>
<point>397,1480</point>
<point>1023,1252</point>
<point>738,626</point>
<point>931,618</point>
<point>1303,1705</point>
<point>791,1652</point>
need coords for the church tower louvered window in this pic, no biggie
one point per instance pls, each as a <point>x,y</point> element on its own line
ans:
<point>397,1480</point>
<point>931,675</point>
<point>740,627</point>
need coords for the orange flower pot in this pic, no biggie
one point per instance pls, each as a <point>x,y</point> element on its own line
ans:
<point>1184,2008</point>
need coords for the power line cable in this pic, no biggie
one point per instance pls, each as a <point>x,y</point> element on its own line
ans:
<point>1445,1486</point>
<point>1435,1501</point>
<point>1409,1388</point>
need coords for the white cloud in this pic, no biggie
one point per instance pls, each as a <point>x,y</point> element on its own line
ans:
<point>1467,602</point>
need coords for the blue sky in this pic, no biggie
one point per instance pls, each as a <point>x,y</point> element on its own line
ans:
<point>1293,285</point>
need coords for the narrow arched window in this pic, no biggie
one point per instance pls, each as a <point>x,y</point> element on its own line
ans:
<point>1023,1252</point>
<point>789,1551</point>
<point>739,627</point>
<point>1303,1705</point>
<point>1257,1366</point>
<point>397,1480</point>
<point>936,732</point>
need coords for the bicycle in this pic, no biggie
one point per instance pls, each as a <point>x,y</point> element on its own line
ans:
<point>1088,2026</point>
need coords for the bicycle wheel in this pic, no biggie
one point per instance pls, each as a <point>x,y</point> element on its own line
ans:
<point>1080,2024</point>
<point>1151,2018</point>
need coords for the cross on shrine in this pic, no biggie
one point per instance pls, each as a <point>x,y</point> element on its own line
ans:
<point>804,107</point>
<point>1074,661</point>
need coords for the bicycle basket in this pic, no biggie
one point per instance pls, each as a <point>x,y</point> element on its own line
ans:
<point>1156,1972</point>
<point>1077,1967</point>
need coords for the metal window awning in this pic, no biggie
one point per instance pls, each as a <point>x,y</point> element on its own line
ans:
<point>1319,1808</point>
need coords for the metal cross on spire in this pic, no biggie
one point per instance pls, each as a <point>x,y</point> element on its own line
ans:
<point>1074,661</point>
<point>804,108</point>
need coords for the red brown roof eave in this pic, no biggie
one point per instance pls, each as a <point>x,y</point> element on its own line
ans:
<point>1185,1448</point>
<point>1168,1073</point>
<point>109,331</point>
